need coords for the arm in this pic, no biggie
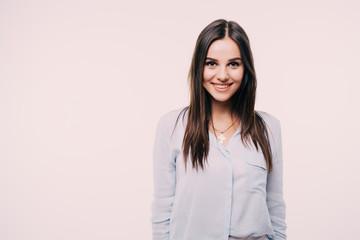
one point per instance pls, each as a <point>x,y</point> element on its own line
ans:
<point>274,189</point>
<point>164,182</point>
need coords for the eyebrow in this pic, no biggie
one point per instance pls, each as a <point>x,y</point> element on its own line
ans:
<point>232,59</point>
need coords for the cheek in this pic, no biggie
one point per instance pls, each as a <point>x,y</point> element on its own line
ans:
<point>207,75</point>
<point>237,75</point>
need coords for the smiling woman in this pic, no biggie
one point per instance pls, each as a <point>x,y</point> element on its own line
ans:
<point>238,194</point>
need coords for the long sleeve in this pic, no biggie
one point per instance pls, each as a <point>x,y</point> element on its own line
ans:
<point>164,169</point>
<point>274,188</point>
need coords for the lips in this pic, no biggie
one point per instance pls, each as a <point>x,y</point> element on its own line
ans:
<point>220,87</point>
<point>222,83</point>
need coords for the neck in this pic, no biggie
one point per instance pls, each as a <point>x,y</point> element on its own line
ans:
<point>221,110</point>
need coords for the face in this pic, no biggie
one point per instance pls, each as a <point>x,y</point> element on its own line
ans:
<point>223,71</point>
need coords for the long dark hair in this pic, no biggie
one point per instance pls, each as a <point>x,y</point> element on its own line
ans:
<point>196,137</point>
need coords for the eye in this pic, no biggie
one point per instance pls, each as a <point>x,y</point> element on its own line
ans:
<point>210,64</point>
<point>234,64</point>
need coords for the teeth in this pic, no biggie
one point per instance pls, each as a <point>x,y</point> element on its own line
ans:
<point>222,86</point>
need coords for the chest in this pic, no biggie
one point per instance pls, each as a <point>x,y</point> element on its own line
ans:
<point>223,138</point>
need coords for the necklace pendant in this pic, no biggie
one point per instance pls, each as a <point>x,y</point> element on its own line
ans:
<point>221,138</point>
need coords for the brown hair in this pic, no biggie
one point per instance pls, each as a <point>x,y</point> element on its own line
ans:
<point>196,137</point>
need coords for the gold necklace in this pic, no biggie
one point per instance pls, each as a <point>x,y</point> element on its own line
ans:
<point>222,138</point>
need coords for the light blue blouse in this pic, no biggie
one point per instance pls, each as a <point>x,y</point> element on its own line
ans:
<point>234,196</point>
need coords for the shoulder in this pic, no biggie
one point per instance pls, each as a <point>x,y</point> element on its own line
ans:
<point>271,121</point>
<point>170,118</point>
<point>268,116</point>
<point>274,126</point>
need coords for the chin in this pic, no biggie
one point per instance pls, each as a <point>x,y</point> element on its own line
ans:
<point>221,99</point>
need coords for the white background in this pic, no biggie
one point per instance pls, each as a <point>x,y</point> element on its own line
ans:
<point>83,84</point>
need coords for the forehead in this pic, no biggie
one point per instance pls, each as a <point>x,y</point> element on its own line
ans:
<point>223,48</point>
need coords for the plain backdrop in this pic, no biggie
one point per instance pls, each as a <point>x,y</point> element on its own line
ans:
<point>83,84</point>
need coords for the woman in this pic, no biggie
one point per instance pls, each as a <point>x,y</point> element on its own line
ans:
<point>218,172</point>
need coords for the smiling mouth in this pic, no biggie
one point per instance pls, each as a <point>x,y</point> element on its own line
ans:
<point>222,86</point>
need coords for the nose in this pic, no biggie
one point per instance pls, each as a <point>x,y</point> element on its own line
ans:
<point>223,74</point>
